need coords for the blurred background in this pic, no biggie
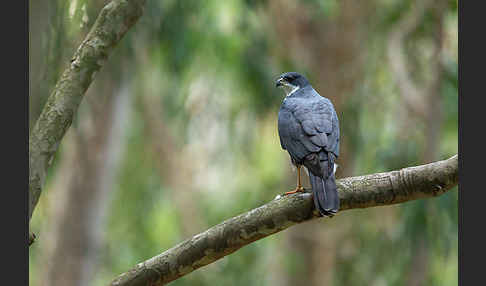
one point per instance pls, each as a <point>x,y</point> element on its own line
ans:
<point>178,132</point>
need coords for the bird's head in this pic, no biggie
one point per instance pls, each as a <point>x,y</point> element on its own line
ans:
<point>291,82</point>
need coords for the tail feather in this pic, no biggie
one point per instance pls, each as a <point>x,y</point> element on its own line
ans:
<point>326,197</point>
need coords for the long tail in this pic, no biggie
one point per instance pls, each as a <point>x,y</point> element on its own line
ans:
<point>326,197</point>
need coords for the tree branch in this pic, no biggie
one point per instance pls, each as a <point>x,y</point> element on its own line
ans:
<point>225,238</point>
<point>57,115</point>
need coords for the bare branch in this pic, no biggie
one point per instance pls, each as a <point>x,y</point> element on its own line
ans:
<point>225,238</point>
<point>111,25</point>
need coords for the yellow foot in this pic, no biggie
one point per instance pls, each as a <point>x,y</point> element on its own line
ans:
<point>297,190</point>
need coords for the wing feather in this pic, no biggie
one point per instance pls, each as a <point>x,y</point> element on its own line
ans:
<point>308,125</point>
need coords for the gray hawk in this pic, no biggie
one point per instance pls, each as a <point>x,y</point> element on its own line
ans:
<point>308,128</point>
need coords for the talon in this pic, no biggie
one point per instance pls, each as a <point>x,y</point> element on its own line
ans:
<point>297,190</point>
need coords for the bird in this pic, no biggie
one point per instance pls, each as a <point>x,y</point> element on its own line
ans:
<point>308,128</point>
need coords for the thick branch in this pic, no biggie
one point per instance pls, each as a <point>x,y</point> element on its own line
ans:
<point>355,192</point>
<point>111,25</point>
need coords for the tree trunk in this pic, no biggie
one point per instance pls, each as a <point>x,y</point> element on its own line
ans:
<point>57,115</point>
<point>80,197</point>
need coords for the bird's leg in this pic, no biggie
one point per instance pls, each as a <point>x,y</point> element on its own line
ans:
<point>299,184</point>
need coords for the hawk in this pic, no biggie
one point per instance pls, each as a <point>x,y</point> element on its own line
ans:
<point>308,128</point>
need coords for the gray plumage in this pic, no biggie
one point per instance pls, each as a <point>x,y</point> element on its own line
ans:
<point>308,128</point>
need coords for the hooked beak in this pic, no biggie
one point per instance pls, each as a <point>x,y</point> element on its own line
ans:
<point>279,82</point>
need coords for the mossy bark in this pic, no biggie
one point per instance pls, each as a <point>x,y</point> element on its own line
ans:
<point>57,115</point>
<point>379,189</point>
